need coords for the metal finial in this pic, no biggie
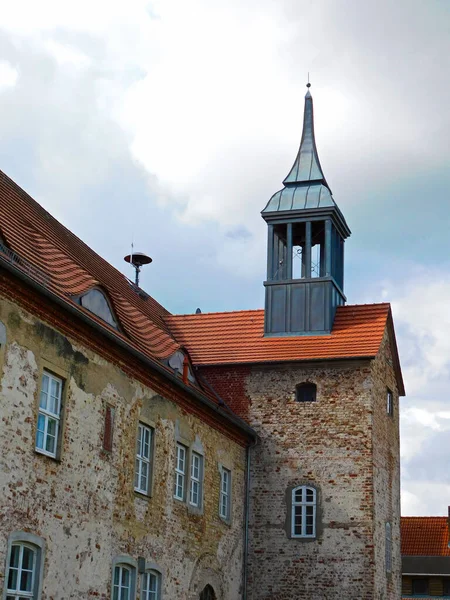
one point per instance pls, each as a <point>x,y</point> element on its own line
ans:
<point>308,85</point>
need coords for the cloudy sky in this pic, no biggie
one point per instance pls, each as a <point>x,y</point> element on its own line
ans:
<point>171,123</point>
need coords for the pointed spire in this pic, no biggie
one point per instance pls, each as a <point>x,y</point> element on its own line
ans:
<point>306,168</point>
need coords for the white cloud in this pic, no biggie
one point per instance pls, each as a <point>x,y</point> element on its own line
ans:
<point>8,75</point>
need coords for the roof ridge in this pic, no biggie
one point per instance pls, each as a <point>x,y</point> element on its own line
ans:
<point>219,312</point>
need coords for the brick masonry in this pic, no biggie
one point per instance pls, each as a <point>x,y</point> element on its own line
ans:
<point>347,446</point>
<point>84,505</point>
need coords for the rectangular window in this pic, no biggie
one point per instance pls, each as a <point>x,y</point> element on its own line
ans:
<point>143,459</point>
<point>225,490</point>
<point>49,415</point>
<point>389,403</point>
<point>195,496</point>
<point>180,472</point>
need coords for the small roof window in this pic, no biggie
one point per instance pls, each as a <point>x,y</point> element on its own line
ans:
<point>95,301</point>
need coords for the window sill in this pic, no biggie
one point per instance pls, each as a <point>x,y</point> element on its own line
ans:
<point>142,495</point>
<point>48,455</point>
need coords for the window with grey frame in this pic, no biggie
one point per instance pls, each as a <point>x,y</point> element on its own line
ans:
<point>304,512</point>
<point>124,580</point>
<point>24,566</point>
<point>151,585</point>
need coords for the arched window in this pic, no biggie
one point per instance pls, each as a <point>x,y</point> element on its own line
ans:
<point>304,508</point>
<point>151,585</point>
<point>306,392</point>
<point>208,593</point>
<point>24,573</point>
<point>95,301</point>
<point>124,578</point>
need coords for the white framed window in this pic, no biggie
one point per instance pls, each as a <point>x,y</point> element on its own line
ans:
<point>151,585</point>
<point>21,572</point>
<point>143,459</point>
<point>388,541</point>
<point>23,578</point>
<point>49,415</point>
<point>304,505</point>
<point>389,402</point>
<point>195,485</point>
<point>225,494</point>
<point>180,472</point>
<point>123,582</point>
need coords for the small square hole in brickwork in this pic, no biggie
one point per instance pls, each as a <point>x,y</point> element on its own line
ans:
<point>306,392</point>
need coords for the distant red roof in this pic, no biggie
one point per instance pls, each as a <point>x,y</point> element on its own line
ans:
<point>425,536</point>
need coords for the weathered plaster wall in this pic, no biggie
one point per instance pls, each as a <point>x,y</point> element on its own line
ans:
<point>84,505</point>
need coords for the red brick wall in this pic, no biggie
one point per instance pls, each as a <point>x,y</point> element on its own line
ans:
<point>230,383</point>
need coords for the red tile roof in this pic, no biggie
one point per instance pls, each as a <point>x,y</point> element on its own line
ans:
<point>71,268</point>
<point>425,536</point>
<point>238,337</point>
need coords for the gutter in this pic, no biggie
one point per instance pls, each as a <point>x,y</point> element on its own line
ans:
<point>149,362</point>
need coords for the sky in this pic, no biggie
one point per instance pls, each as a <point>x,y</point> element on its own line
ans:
<point>169,124</point>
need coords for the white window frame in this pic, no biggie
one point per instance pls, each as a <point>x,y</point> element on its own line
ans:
<point>180,471</point>
<point>303,507</point>
<point>143,458</point>
<point>225,494</point>
<point>147,594</point>
<point>389,402</point>
<point>195,480</point>
<point>388,542</point>
<point>122,563</point>
<point>49,415</point>
<point>36,544</point>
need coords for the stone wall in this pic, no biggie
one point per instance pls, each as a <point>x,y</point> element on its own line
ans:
<point>343,444</point>
<point>83,504</point>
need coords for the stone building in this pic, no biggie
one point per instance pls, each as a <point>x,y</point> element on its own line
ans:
<point>245,455</point>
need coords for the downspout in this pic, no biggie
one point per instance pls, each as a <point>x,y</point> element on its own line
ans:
<point>247,517</point>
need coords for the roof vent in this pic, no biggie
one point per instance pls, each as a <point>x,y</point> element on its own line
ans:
<point>138,260</point>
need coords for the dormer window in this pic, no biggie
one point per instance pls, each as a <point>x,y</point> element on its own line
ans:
<point>96,302</point>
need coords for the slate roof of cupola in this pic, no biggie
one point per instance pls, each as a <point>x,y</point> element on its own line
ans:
<point>425,536</point>
<point>305,185</point>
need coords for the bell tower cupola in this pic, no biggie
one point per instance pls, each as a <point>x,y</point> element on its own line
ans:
<point>305,254</point>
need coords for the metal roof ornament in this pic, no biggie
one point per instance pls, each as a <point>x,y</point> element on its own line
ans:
<point>305,186</point>
<point>306,167</point>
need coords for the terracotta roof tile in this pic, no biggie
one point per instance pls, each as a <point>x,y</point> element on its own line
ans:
<point>238,337</point>
<point>425,536</point>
